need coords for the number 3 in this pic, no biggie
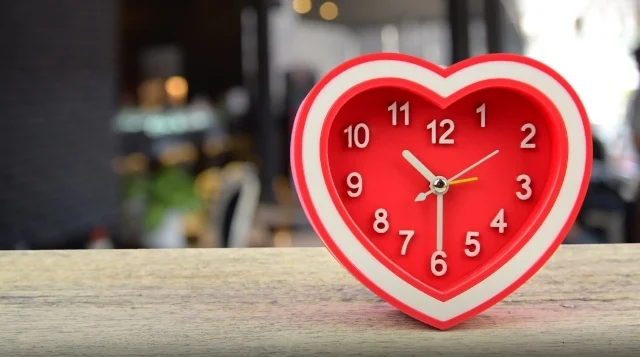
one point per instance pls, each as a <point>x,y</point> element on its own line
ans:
<point>526,185</point>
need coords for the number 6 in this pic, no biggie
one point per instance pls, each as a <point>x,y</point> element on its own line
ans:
<point>438,263</point>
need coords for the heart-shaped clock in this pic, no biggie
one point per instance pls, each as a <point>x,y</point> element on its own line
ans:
<point>442,190</point>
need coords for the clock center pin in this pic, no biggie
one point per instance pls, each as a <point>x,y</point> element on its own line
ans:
<point>440,185</point>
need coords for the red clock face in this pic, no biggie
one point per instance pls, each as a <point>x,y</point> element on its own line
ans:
<point>442,193</point>
<point>442,190</point>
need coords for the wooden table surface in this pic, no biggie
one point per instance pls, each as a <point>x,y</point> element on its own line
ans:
<point>297,302</point>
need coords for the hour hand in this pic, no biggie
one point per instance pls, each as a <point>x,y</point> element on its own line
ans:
<point>423,170</point>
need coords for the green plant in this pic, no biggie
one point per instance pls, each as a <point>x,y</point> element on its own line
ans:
<point>134,187</point>
<point>170,188</point>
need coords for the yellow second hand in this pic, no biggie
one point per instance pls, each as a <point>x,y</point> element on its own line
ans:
<point>463,181</point>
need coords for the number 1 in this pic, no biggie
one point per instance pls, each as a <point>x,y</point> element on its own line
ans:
<point>483,115</point>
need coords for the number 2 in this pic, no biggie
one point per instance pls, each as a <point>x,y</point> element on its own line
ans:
<point>526,144</point>
<point>444,139</point>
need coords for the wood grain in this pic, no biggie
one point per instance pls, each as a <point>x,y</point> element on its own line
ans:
<point>297,302</point>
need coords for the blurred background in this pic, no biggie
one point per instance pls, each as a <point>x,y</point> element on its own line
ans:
<point>166,123</point>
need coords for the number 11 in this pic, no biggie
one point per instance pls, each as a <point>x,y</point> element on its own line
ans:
<point>393,108</point>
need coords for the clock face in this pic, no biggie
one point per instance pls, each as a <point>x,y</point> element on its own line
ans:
<point>442,195</point>
<point>442,190</point>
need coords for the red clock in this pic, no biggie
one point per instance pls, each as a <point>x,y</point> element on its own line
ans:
<point>442,190</point>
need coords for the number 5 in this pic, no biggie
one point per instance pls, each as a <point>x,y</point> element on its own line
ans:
<point>472,241</point>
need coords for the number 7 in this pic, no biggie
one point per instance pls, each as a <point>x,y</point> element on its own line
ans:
<point>408,235</point>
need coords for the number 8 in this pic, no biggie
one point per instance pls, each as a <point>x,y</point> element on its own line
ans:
<point>381,224</point>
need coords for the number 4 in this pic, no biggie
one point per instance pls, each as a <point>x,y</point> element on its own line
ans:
<point>499,222</point>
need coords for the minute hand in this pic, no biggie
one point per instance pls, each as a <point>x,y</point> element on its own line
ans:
<point>474,165</point>
<point>423,195</point>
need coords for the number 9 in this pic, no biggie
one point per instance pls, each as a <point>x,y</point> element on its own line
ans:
<point>354,181</point>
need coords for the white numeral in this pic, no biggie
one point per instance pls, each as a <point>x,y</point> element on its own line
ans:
<point>407,238</point>
<point>438,263</point>
<point>444,139</point>
<point>358,135</point>
<point>526,185</point>
<point>354,181</point>
<point>393,108</point>
<point>526,142</point>
<point>499,222</point>
<point>381,225</point>
<point>472,241</point>
<point>483,115</point>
